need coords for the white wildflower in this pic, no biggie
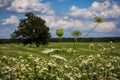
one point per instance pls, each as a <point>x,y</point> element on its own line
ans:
<point>30,55</point>
<point>109,64</point>
<point>84,62</point>
<point>57,78</point>
<point>91,45</point>
<point>91,56</point>
<point>113,47</point>
<point>4,57</point>
<point>52,64</point>
<point>69,50</point>
<point>22,60</point>
<point>111,42</point>
<point>36,60</point>
<point>58,57</point>
<point>98,55</point>
<point>38,67</point>
<point>46,51</point>
<point>20,57</point>
<point>71,78</point>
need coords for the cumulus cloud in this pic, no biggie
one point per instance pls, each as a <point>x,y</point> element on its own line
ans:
<point>4,3</point>
<point>105,9</point>
<point>21,6</point>
<point>106,27</point>
<point>12,20</point>
<point>64,22</point>
<point>68,22</point>
<point>72,19</point>
<point>76,12</point>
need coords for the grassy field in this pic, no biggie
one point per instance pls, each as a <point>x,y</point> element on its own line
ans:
<point>60,61</point>
<point>16,50</point>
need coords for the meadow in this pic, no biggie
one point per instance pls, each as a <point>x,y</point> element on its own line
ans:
<point>60,61</point>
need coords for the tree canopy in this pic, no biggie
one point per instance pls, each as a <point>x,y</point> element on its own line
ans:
<point>33,30</point>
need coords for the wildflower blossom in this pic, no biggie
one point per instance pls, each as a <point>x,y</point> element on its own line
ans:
<point>69,50</point>
<point>36,60</point>
<point>20,57</point>
<point>4,57</point>
<point>59,57</point>
<point>46,51</point>
<point>98,55</point>
<point>111,42</point>
<point>57,78</point>
<point>91,45</point>
<point>95,66</point>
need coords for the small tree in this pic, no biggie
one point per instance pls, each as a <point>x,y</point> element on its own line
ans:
<point>76,34</point>
<point>33,30</point>
<point>59,32</point>
<point>98,20</point>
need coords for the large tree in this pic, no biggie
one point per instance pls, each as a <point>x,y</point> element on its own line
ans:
<point>32,29</point>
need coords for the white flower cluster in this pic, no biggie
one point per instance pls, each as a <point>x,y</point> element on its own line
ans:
<point>58,57</point>
<point>46,51</point>
<point>93,67</point>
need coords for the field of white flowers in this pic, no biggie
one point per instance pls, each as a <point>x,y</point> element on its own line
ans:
<point>99,65</point>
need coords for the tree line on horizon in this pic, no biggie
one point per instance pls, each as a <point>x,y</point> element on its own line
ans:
<point>101,39</point>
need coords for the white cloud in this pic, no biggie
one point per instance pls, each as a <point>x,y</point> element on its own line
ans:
<point>65,22</point>
<point>105,9</point>
<point>4,3</point>
<point>21,6</point>
<point>12,20</point>
<point>71,20</point>
<point>106,27</point>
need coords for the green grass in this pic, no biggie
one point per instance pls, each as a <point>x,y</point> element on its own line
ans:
<point>17,50</point>
<point>63,61</point>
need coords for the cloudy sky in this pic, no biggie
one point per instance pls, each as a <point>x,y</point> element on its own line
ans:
<point>67,14</point>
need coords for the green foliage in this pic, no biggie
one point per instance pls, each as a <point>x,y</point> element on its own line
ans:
<point>59,32</point>
<point>33,30</point>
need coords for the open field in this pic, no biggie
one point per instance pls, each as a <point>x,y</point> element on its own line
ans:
<point>85,48</point>
<point>60,61</point>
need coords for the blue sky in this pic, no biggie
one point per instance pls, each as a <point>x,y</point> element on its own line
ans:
<point>67,14</point>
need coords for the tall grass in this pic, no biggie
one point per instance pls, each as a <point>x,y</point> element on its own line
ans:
<point>88,61</point>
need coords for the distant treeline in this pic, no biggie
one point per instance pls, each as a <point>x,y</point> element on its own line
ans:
<point>104,39</point>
